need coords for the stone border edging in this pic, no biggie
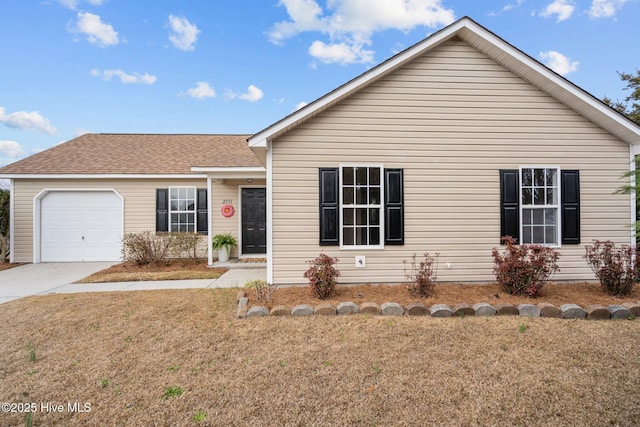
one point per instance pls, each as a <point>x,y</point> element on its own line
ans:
<point>566,311</point>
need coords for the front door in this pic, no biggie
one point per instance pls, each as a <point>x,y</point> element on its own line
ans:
<point>254,221</point>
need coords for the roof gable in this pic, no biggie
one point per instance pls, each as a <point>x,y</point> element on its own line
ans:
<point>137,154</point>
<point>495,48</point>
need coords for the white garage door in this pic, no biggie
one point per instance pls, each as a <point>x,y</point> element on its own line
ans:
<point>80,226</point>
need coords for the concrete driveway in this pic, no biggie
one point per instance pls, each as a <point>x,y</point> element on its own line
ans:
<point>58,278</point>
<point>43,278</point>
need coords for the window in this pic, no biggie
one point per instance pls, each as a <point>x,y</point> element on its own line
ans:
<point>361,195</point>
<point>540,205</point>
<point>539,193</point>
<point>175,209</point>
<point>361,206</point>
<point>182,209</point>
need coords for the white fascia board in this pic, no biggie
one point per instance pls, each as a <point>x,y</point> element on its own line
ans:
<point>101,176</point>
<point>260,139</point>
<point>219,173</point>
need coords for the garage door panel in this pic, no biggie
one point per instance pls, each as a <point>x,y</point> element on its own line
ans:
<point>81,226</point>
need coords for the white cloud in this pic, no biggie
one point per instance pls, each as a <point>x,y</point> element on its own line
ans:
<point>252,94</point>
<point>563,9</point>
<point>124,77</point>
<point>510,6</point>
<point>605,8</point>
<point>24,120</point>
<point>558,62</point>
<point>184,34</point>
<point>97,32</point>
<point>201,91</point>
<point>342,53</point>
<point>300,105</point>
<point>11,149</point>
<point>349,24</point>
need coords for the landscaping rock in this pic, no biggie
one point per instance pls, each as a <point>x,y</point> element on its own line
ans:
<point>240,295</point>
<point>258,311</point>
<point>572,311</point>
<point>549,310</point>
<point>242,307</point>
<point>528,310</point>
<point>370,308</point>
<point>463,309</point>
<point>597,312</point>
<point>619,311</point>
<point>324,309</point>
<point>418,309</point>
<point>441,310</point>
<point>348,307</point>
<point>280,310</point>
<point>391,309</point>
<point>484,309</point>
<point>633,308</point>
<point>506,309</point>
<point>302,310</point>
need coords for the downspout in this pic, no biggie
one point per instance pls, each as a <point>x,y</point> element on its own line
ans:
<point>12,216</point>
<point>633,152</point>
<point>210,226</point>
<point>269,213</point>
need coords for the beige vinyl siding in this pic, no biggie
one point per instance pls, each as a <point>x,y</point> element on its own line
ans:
<point>451,119</point>
<point>139,204</point>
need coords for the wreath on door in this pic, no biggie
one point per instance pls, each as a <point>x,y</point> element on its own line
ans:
<point>227,211</point>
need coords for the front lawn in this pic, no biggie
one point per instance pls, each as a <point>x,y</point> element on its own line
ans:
<point>179,358</point>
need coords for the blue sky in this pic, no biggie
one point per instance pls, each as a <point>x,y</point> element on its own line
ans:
<point>236,66</point>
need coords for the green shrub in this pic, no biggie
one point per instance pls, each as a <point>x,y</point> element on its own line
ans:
<point>223,240</point>
<point>617,268</point>
<point>322,276</point>
<point>421,276</point>
<point>524,269</point>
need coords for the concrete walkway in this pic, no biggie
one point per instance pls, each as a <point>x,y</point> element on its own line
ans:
<point>53,278</point>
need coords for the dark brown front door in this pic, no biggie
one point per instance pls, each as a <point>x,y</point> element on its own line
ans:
<point>254,221</point>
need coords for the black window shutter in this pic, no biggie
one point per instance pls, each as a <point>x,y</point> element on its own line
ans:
<point>329,207</point>
<point>393,207</point>
<point>509,204</point>
<point>570,206</point>
<point>162,209</point>
<point>201,211</point>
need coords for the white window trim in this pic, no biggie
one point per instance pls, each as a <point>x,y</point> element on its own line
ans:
<point>195,208</point>
<point>557,206</point>
<point>340,205</point>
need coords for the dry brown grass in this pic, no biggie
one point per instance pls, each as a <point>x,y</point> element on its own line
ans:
<point>175,269</point>
<point>347,370</point>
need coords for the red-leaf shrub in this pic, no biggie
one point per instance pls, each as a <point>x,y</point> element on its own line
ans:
<point>617,268</point>
<point>421,276</point>
<point>524,269</point>
<point>322,276</point>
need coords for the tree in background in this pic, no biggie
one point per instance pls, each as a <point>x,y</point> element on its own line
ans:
<point>4,225</point>
<point>631,109</point>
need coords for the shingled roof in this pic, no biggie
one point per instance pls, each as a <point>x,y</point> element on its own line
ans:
<point>140,154</point>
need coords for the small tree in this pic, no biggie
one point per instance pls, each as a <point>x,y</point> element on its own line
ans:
<point>4,224</point>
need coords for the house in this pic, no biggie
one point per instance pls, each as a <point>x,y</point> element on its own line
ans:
<point>444,148</point>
